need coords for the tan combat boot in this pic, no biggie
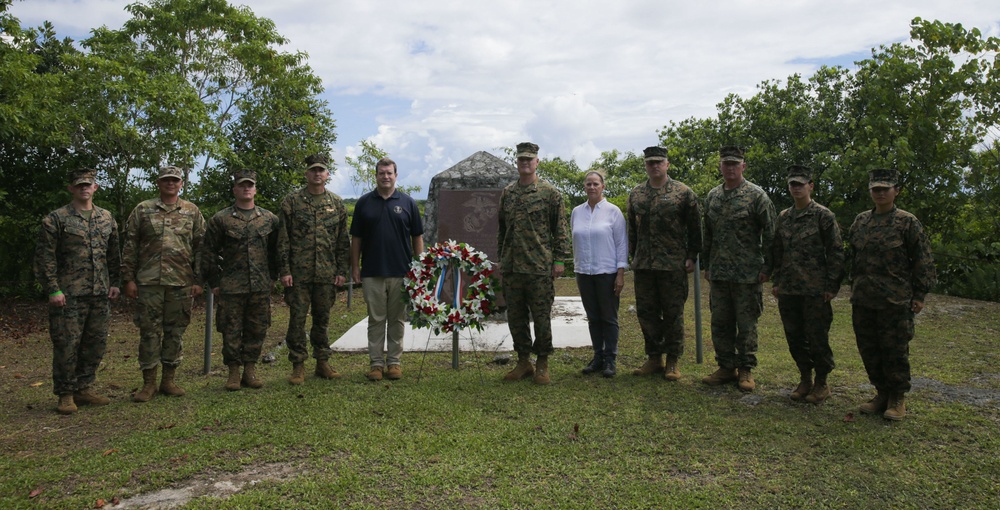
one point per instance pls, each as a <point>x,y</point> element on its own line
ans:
<point>148,386</point>
<point>652,365</point>
<point>375,374</point>
<point>298,373</point>
<point>746,383</point>
<point>250,376</point>
<point>720,376</point>
<point>66,404</point>
<point>394,373</point>
<point>875,405</point>
<point>324,370</point>
<point>671,372</point>
<point>522,370</point>
<point>804,387</point>
<point>820,390</point>
<point>896,408</point>
<point>167,384</point>
<point>233,382</point>
<point>542,370</point>
<point>86,397</point>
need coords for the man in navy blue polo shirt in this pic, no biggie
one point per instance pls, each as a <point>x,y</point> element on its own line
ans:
<point>386,232</point>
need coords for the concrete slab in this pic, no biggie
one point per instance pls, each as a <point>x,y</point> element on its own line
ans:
<point>569,329</point>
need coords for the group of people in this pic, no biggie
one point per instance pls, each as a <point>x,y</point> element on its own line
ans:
<point>742,243</point>
<point>169,250</point>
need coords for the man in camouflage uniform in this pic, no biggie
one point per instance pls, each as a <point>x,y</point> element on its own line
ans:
<point>240,259</point>
<point>892,271</point>
<point>532,242</point>
<point>808,269</point>
<point>78,264</point>
<point>739,229</point>
<point>664,237</point>
<point>160,270</point>
<point>315,246</point>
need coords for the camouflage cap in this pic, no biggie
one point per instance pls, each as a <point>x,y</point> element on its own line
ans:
<point>655,153</point>
<point>82,176</point>
<point>318,161</point>
<point>527,150</point>
<point>731,153</point>
<point>244,175</point>
<point>883,178</point>
<point>170,171</point>
<point>800,174</point>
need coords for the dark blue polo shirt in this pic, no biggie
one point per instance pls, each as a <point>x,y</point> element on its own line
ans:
<point>385,227</point>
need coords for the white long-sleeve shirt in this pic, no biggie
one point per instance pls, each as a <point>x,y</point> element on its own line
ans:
<point>600,241</point>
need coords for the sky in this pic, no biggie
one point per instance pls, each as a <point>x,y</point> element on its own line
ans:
<point>432,82</point>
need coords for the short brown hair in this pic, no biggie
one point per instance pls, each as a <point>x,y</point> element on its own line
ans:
<point>384,162</point>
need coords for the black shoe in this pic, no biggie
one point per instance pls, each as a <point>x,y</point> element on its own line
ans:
<point>609,367</point>
<point>595,365</point>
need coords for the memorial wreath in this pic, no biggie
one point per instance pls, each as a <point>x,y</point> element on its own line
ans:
<point>425,281</point>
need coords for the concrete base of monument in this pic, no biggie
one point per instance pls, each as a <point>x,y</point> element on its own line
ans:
<point>569,329</point>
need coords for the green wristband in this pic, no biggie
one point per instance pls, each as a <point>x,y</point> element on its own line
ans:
<point>559,263</point>
<point>56,293</point>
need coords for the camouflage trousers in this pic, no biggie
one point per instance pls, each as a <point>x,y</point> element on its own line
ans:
<point>79,332</point>
<point>243,320</point>
<point>300,297</point>
<point>597,292</point>
<point>883,336</point>
<point>534,294</point>
<point>807,320</point>
<point>386,315</point>
<point>162,313</point>
<point>735,310</point>
<point>659,306</point>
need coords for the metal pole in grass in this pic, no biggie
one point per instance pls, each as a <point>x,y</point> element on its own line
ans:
<point>458,306</point>
<point>209,309</point>
<point>697,310</point>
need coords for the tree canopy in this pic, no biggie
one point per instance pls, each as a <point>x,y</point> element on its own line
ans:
<point>195,83</point>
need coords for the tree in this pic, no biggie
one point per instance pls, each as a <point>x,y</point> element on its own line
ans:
<point>566,177</point>
<point>259,106</point>
<point>364,168</point>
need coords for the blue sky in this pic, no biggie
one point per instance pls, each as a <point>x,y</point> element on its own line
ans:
<point>434,81</point>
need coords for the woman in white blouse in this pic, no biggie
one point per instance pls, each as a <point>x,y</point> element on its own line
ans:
<point>600,256</point>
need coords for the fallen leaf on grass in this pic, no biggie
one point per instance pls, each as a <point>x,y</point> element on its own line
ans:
<point>36,492</point>
<point>109,452</point>
<point>207,428</point>
<point>165,427</point>
<point>36,384</point>
<point>849,417</point>
<point>18,376</point>
<point>115,500</point>
<point>99,503</point>
<point>576,430</point>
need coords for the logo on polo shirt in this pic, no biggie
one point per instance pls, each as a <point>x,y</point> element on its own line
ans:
<point>397,210</point>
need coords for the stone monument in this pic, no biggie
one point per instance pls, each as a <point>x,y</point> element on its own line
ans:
<point>463,202</point>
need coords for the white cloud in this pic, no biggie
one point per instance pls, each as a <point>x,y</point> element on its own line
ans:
<point>445,79</point>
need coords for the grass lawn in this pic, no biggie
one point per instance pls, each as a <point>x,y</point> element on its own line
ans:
<point>465,439</point>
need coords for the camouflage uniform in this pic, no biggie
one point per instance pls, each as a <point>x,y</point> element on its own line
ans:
<point>315,247</point>
<point>79,257</point>
<point>533,234</point>
<point>161,250</point>
<point>891,266</point>
<point>808,261</point>
<point>240,257</point>
<point>739,230</point>
<point>664,230</point>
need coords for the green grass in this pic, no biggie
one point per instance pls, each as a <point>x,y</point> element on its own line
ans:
<point>454,440</point>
